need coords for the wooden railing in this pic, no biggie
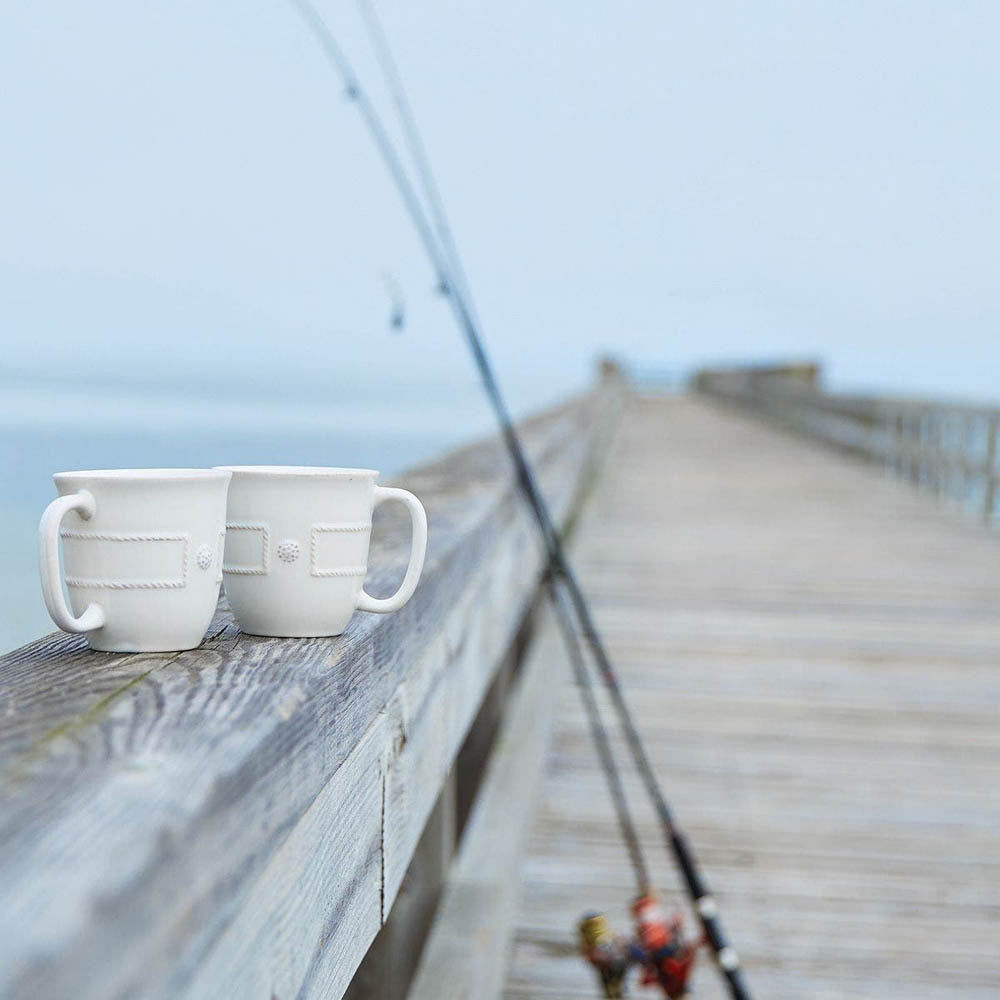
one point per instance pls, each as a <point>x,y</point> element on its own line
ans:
<point>237,821</point>
<point>948,449</point>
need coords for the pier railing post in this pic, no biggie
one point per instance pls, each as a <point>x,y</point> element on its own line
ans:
<point>903,444</point>
<point>990,470</point>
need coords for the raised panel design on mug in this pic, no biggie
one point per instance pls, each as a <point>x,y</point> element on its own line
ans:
<point>134,560</point>
<point>339,549</point>
<point>248,549</point>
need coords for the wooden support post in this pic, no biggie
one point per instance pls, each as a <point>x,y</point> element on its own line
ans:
<point>914,422</point>
<point>967,458</point>
<point>387,969</point>
<point>989,493</point>
<point>897,442</point>
<point>467,952</point>
<point>933,466</point>
<point>925,448</point>
<point>470,763</point>
<point>947,453</point>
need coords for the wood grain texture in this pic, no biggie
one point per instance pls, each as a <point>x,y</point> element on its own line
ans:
<point>161,812</point>
<point>390,963</point>
<point>811,651</point>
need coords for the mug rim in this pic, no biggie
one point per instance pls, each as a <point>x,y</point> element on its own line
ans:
<point>285,471</point>
<point>146,475</point>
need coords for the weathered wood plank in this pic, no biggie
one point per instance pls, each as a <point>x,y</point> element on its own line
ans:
<point>150,803</point>
<point>466,954</point>
<point>301,924</point>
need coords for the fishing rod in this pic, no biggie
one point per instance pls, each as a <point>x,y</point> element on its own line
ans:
<point>704,903</point>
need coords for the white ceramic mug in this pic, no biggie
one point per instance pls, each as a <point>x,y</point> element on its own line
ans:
<point>143,556</point>
<point>297,548</point>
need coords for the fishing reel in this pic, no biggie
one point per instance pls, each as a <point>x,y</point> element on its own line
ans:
<point>606,951</point>
<point>665,956</point>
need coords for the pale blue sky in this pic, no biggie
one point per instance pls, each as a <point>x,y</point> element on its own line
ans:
<point>187,201</point>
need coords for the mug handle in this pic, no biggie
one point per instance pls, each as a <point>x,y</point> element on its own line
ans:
<point>418,547</point>
<point>48,563</point>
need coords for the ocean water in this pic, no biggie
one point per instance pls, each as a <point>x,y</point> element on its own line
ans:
<point>47,427</point>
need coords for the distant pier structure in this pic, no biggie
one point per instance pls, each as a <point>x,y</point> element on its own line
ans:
<point>801,592</point>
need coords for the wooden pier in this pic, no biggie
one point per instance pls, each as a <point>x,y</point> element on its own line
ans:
<point>809,643</point>
<point>811,649</point>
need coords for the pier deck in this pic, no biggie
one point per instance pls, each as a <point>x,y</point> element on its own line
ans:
<point>811,650</point>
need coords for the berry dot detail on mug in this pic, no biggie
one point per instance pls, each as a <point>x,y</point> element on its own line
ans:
<point>288,551</point>
<point>204,556</point>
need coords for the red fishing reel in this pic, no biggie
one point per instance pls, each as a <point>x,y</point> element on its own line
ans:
<point>661,950</point>
<point>666,955</point>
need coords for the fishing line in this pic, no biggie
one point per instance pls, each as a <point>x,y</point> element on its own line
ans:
<point>599,735</point>
<point>704,903</point>
<point>415,143</point>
